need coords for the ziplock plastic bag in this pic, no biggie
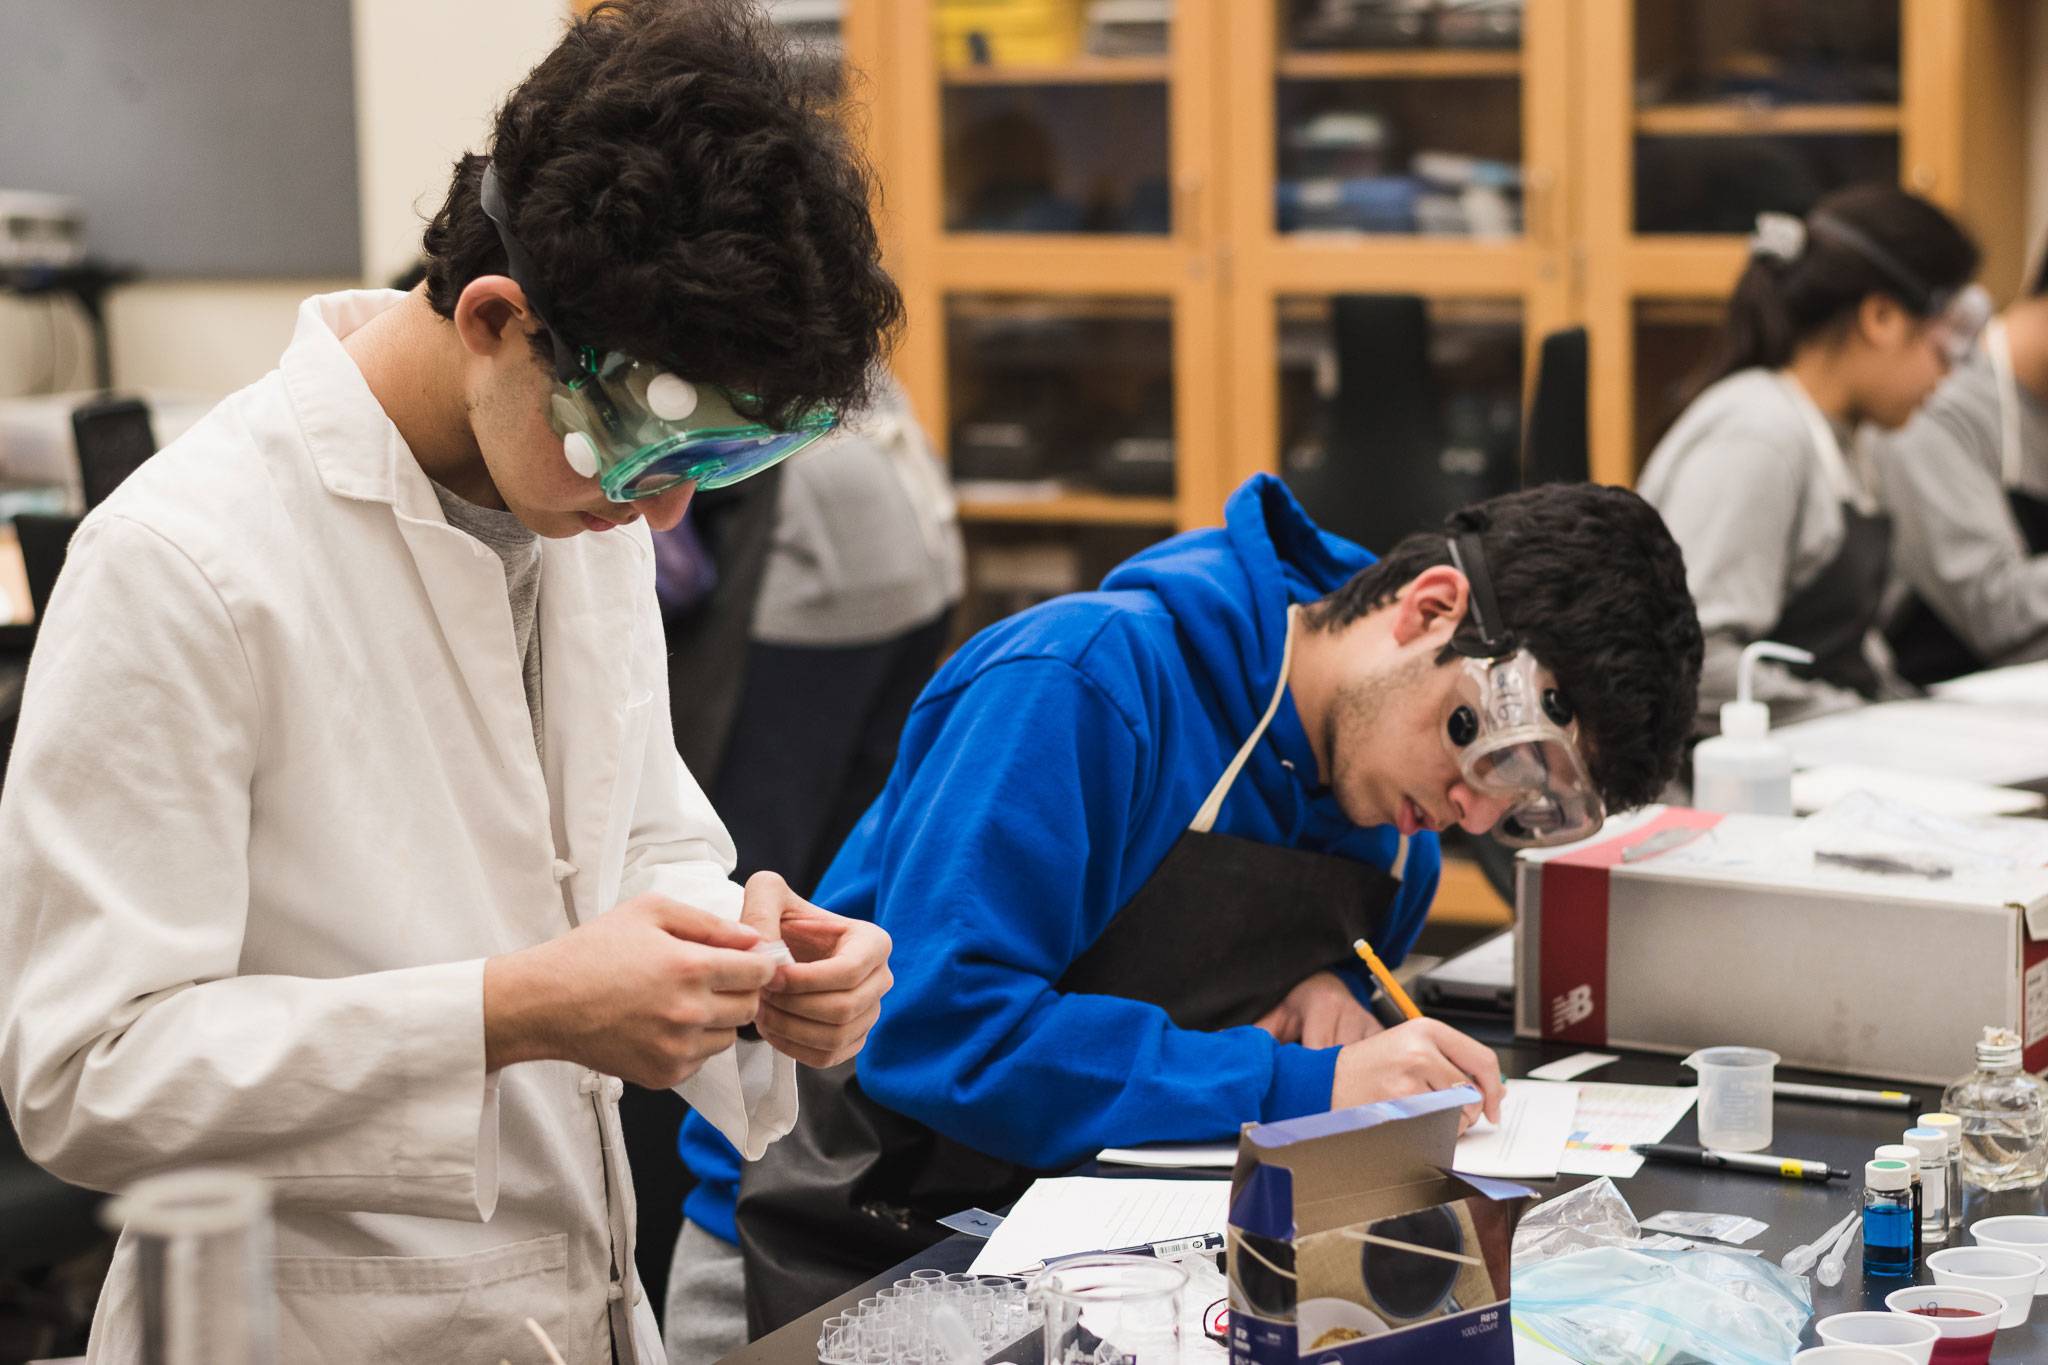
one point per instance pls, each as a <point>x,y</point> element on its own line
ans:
<point>1615,1306</point>
<point>1590,1216</point>
<point>1589,1284</point>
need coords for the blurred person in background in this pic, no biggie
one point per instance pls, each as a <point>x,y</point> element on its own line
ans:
<point>1847,318</point>
<point>1967,481</point>
<point>848,615</point>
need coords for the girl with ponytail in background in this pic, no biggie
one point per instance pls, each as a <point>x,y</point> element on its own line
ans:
<point>1847,318</point>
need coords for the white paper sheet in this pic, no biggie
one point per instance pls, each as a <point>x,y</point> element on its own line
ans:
<point>1536,1121</point>
<point>1999,744</point>
<point>1081,1213</point>
<point>1173,1156</point>
<point>1572,1067</point>
<point>2019,685</point>
<point>1817,788</point>
<point>1529,1351</point>
<point>1611,1117</point>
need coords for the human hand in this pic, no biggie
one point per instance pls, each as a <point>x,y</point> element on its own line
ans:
<point>1413,1059</point>
<point>819,1008</point>
<point>1321,1012</point>
<point>648,991</point>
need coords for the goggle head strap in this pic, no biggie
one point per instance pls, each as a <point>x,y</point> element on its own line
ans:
<point>1922,297</point>
<point>569,365</point>
<point>1484,634</point>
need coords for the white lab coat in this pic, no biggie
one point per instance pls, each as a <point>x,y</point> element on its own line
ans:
<point>273,799</point>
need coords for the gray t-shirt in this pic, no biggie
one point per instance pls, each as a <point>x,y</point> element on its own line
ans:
<point>519,548</point>
<point>1956,543</point>
<point>1750,502</point>
<point>867,542</point>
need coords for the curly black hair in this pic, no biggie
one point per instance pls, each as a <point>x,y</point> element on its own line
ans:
<point>1592,583</point>
<point>687,195</point>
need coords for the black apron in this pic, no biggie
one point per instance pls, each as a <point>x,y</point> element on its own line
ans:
<point>1927,649</point>
<point>1217,936</point>
<point>1832,615</point>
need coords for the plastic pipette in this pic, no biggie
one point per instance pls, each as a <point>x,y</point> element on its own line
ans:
<point>1799,1260</point>
<point>1830,1272</point>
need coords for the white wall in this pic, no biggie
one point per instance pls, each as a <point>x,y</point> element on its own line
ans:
<point>428,80</point>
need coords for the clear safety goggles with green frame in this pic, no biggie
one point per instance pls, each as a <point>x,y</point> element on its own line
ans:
<point>637,428</point>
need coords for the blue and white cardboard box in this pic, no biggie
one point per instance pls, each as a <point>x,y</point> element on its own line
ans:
<point>1353,1243</point>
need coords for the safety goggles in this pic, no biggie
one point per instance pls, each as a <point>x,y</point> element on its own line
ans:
<point>1959,320</point>
<point>1956,317</point>
<point>1512,732</point>
<point>639,429</point>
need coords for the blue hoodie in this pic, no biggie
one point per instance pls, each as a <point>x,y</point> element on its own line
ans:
<point>1041,779</point>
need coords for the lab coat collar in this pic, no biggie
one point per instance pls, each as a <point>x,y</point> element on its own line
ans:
<point>354,446</point>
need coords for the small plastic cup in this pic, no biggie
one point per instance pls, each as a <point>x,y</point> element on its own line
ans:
<point>1735,1097</point>
<point>2009,1274</point>
<point>1908,1334</point>
<point>2026,1232</point>
<point>1849,1355</point>
<point>1967,1319</point>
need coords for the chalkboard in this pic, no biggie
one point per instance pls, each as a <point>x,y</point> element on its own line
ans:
<point>206,138</point>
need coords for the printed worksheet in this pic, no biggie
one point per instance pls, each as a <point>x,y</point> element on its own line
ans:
<point>1611,1117</point>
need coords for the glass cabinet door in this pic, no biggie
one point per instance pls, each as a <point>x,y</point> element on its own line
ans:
<point>1399,117</point>
<point>1748,105</point>
<point>1054,115</point>
<point>1051,395</point>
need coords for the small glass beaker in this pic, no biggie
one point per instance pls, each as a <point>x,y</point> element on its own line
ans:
<point>1735,1097</point>
<point>1111,1310</point>
<point>203,1247</point>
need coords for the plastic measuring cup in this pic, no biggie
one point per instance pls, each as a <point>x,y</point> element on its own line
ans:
<point>1735,1097</point>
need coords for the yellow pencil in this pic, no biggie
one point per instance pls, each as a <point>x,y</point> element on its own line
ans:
<point>1386,979</point>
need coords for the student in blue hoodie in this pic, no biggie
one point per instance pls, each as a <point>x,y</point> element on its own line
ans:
<point>1131,835</point>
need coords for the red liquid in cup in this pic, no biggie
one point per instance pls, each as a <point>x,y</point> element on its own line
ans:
<point>1961,1350</point>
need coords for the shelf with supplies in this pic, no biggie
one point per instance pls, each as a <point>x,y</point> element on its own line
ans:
<point>1081,71</point>
<point>1074,507</point>
<point>1747,120</point>
<point>1423,64</point>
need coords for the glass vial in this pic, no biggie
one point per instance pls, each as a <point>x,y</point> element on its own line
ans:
<point>1951,1127</point>
<point>1899,1151</point>
<point>1932,1145</point>
<point>2005,1118</point>
<point>1887,1220</point>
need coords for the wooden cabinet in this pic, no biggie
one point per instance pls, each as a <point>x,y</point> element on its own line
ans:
<point>1265,160</point>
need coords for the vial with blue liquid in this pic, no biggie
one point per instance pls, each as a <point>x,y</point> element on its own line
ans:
<point>1888,1220</point>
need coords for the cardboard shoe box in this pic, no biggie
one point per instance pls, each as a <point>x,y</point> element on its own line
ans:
<point>1678,929</point>
<point>1351,1243</point>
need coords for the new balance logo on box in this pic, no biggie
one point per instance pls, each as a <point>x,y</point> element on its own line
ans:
<point>1575,1006</point>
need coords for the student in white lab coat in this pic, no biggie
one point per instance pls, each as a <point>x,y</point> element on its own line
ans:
<point>344,839</point>
<point>1848,317</point>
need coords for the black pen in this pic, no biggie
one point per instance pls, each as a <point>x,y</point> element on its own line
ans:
<point>1169,1249</point>
<point>1756,1163</point>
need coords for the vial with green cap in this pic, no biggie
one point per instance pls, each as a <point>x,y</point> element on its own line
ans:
<point>1887,1220</point>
